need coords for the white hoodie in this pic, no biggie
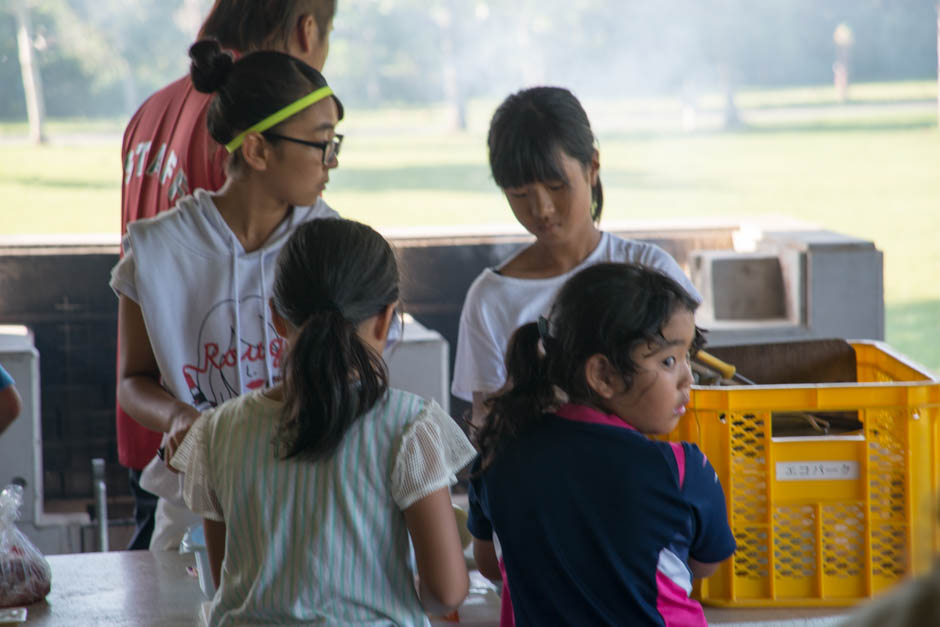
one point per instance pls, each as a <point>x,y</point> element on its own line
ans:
<point>186,270</point>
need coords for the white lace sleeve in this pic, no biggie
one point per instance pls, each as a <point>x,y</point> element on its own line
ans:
<point>192,459</point>
<point>433,449</point>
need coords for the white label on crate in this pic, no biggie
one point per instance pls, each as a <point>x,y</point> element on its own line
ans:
<point>817,471</point>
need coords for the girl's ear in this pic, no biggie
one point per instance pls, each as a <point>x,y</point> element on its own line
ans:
<point>600,376</point>
<point>306,38</point>
<point>383,322</point>
<point>308,35</point>
<point>374,330</point>
<point>595,168</point>
<point>255,151</point>
<point>280,324</point>
<point>307,43</point>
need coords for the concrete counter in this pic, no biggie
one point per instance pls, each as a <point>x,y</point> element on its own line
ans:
<point>144,589</point>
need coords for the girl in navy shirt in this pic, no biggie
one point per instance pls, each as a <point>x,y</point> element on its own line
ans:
<point>598,524</point>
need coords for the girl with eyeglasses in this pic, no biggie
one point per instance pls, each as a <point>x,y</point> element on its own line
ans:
<point>193,323</point>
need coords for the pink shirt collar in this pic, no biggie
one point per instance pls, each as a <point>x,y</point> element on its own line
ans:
<point>583,413</point>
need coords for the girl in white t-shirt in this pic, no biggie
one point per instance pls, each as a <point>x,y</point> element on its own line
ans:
<point>311,489</point>
<point>543,155</point>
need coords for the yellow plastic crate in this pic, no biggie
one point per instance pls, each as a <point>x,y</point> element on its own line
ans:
<point>824,520</point>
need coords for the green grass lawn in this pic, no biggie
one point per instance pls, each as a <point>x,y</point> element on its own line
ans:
<point>873,178</point>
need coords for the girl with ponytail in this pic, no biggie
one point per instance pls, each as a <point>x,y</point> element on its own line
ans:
<point>311,490</point>
<point>598,524</point>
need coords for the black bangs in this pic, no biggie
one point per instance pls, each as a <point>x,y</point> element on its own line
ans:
<point>525,154</point>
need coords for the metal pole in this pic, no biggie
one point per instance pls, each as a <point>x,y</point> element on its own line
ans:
<point>101,502</point>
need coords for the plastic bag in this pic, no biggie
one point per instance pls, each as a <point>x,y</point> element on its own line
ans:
<point>25,575</point>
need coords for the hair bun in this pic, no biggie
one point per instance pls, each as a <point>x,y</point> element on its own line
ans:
<point>210,66</point>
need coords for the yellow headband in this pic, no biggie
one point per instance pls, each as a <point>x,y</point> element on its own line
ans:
<point>280,116</point>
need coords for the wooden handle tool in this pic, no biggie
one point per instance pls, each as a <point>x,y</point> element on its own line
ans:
<point>726,370</point>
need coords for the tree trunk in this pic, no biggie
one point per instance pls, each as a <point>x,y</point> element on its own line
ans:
<point>32,84</point>
<point>373,87</point>
<point>128,88</point>
<point>453,93</point>
<point>732,119</point>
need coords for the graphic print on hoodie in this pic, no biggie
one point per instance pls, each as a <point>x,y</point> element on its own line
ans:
<point>212,377</point>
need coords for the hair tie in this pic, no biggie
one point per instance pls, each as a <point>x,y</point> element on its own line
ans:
<point>543,330</point>
<point>330,305</point>
<point>324,305</point>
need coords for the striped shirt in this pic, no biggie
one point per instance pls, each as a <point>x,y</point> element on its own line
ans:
<point>321,542</point>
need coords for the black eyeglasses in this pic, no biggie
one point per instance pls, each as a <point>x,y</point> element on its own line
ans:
<point>330,148</point>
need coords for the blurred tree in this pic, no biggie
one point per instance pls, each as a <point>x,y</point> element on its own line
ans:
<point>136,48</point>
<point>32,83</point>
<point>384,50</point>
<point>449,17</point>
<point>102,56</point>
<point>843,39</point>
